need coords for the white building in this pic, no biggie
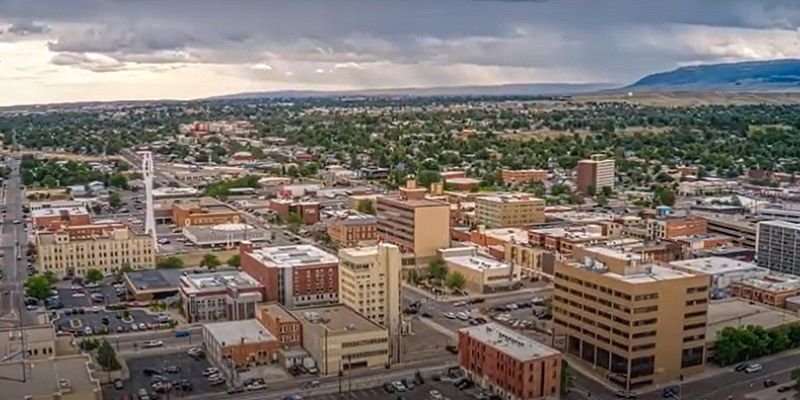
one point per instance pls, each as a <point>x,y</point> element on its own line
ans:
<point>722,271</point>
<point>482,274</point>
<point>219,296</point>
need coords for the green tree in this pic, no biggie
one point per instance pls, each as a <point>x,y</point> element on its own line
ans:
<point>455,280</point>
<point>294,220</point>
<point>118,181</point>
<point>365,206</point>
<point>426,177</point>
<point>107,357</point>
<point>114,200</point>
<point>49,181</point>
<point>235,261</point>
<point>664,196</point>
<point>210,261</point>
<point>437,269</point>
<point>94,275</point>
<point>171,262</point>
<point>566,377</point>
<point>607,191</point>
<point>38,287</point>
<point>51,277</point>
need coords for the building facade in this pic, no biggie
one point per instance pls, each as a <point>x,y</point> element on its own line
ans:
<point>281,324</point>
<point>508,364</point>
<point>415,224</point>
<point>633,323</point>
<point>778,246</point>
<point>205,211</point>
<point>482,274</point>
<point>236,344</point>
<point>508,211</point>
<point>219,296</point>
<point>595,173</point>
<point>353,229</point>
<point>674,227</point>
<point>523,175</point>
<point>295,276</point>
<point>370,282</point>
<point>71,251</point>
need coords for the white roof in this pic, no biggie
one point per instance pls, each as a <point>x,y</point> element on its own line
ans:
<point>717,265</point>
<point>233,332</point>
<point>509,342</point>
<point>294,256</point>
<point>479,263</point>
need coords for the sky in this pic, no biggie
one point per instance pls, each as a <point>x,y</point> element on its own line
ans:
<point>81,50</point>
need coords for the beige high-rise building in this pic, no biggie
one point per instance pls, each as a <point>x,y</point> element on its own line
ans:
<point>416,224</point>
<point>508,211</point>
<point>73,250</point>
<point>370,282</point>
<point>597,172</point>
<point>633,323</point>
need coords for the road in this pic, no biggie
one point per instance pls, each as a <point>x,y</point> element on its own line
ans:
<point>13,243</point>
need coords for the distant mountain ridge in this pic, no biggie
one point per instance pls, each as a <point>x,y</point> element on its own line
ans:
<point>772,75</point>
<point>532,89</point>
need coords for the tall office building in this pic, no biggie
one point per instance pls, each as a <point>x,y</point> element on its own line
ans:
<point>417,225</point>
<point>509,211</point>
<point>369,282</point>
<point>596,172</point>
<point>778,246</point>
<point>633,323</point>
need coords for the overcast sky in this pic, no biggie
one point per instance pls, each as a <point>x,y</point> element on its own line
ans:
<point>75,50</point>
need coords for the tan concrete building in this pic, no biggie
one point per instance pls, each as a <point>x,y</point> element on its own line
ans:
<point>419,226</point>
<point>72,250</point>
<point>353,229</point>
<point>531,261</point>
<point>633,323</point>
<point>204,211</point>
<point>482,274</point>
<point>509,211</point>
<point>595,173</point>
<point>338,338</point>
<point>523,175</point>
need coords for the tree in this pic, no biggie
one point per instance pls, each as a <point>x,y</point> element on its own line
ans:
<point>114,200</point>
<point>566,377</point>
<point>94,275</point>
<point>294,220</point>
<point>210,261</point>
<point>122,271</point>
<point>607,191</point>
<point>38,287</point>
<point>664,196</point>
<point>455,280</point>
<point>235,261</point>
<point>591,190</point>
<point>426,177</point>
<point>171,262</point>
<point>107,357</point>
<point>365,206</point>
<point>437,270</point>
<point>51,277</point>
<point>118,181</point>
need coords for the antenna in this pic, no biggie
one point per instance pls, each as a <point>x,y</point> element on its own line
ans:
<point>147,174</point>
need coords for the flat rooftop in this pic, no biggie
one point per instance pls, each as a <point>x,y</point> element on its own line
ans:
<point>11,340</point>
<point>338,319</point>
<point>355,218</point>
<point>45,377</point>
<point>215,281</point>
<point>235,332</point>
<point>510,198</point>
<point>618,253</point>
<point>156,279</point>
<point>294,256</point>
<point>509,342</point>
<point>782,224</point>
<point>572,232</point>
<point>51,212</point>
<point>717,265</point>
<point>478,263</point>
<point>515,235</point>
<point>735,312</point>
<point>397,200</point>
<point>276,310</point>
<point>580,216</point>
<point>643,273</point>
<point>773,282</point>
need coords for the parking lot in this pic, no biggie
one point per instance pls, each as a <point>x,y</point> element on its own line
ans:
<point>71,298</point>
<point>79,322</point>
<point>421,392</point>
<point>190,369</point>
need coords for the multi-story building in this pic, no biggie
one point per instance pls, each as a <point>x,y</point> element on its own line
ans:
<point>510,365</point>
<point>72,250</point>
<point>670,227</point>
<point>298,275</point>
<point>768,288</point>
<point>370,282</point>
<point>482,274</point>
<point>722,272</point>
<point>509,211</point>
<point>237,344</point>
<point>740,229</point>
<point>204,211</point>
<point>353,229</point>
<point>419,226</point>
<point>308,211</point>
<point>634,323</point>
<point>778,246</point>
<point>523,175</point>
<point>562,240</point>
<point>340,339</point>
<point>780,214</point>
<point>219,296</point>
<point>532,261</point>
<point>281,324</point>
<point>595,173</point>
<point>45,217</point>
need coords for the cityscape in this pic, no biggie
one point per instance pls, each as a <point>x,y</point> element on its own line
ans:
<point>442,229</point>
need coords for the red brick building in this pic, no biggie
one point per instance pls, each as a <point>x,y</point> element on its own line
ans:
<point>523,175</point>
<point>281,324</point>
<point>295,276</point>
<point>72,216</point>
<point>509,364</point>
<point>307,210</point>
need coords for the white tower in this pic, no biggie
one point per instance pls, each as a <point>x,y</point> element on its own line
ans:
<point>147,175</point>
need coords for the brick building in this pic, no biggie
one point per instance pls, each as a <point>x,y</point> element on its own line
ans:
<point>308,211</point>
<point>204,211</point>
<point>353,229</point>
<point>674,227</point>
<point>281,324</point>
<point>523,175</point>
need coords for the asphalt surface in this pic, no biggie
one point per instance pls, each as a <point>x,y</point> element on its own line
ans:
<point>421,392</point>
<point>13,243</point>
<point>94,320</point>
<point>190,369</point>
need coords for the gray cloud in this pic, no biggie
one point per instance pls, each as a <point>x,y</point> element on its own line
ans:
<point>27,28</point>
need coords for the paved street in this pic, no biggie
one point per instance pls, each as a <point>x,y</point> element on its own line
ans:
<point>13,245</point>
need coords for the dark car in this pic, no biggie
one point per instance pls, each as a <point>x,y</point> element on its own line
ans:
<point>426,315</point>
<point>388,387</point>
<point>741,367</point>
<point>451,348</point>
<point>670,392</point>
<point>150,372</point>
<point>770,383</point>
<point>184,385</point>
<point>784,388</point>
<point>626,394</point>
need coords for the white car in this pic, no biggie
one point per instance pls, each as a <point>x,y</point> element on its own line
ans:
<point>95,309</point>
<point>753,368</point>
<point>459,304</point>
<point>398,386</point>
<point>210,371</point>
<point>142,326</point>
<point>435,395</point>
<point>449,315</point>
<point>462,316</point>
<point>152,343</point>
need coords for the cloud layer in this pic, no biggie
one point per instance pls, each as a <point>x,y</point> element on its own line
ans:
<point>158,49</point>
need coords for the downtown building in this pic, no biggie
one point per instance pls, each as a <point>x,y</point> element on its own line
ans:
<point>295,276</point>
<point>630,321</point>
<point>219,296</point>
<point>778,246</point>
<point>369,283</point>
<point>595,173</point>
<point>509,211</point>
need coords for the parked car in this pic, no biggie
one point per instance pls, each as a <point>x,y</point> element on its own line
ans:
<point>398,386</point>
<point>785,388</point>
<point>626,394</point>
<point>152,343</point>
<point>435,395</point>
<point>770,383</point>
<point>210,371</point>
<point>741,367</point>
<point>388,387</point>
<point>449,315</point>
<point>753,368</point>
<point>670,392</point>
<point>118,384</point>
<point>150,371</point>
